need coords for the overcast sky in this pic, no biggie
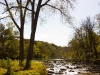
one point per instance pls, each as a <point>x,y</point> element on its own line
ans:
<point>53,31</point>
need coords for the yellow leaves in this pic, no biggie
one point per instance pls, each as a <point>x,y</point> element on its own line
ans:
<point>37,68</point>
<point>2,71</point>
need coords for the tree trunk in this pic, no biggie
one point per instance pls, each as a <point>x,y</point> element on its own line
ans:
<point>21,54</point>
<point>33,30</point>
<point>30,52</point>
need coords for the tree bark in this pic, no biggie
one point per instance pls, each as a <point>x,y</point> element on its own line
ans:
<point>21,54</point>
<point>33,30</point>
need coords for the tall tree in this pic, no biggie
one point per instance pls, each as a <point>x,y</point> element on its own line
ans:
<point>35,7</point>
<point>58,5</point>
<point>89,27</point>
<point>21,11</point>
<point>86,38</point>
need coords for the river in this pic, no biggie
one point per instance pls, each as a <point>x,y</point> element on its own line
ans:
<point>62,67</point>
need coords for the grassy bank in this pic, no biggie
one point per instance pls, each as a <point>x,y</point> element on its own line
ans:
<point>12,67</point>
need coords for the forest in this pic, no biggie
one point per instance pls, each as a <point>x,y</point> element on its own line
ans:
<point>9,46</point>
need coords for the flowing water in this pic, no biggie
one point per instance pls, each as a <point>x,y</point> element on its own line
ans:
<point>60,67</point>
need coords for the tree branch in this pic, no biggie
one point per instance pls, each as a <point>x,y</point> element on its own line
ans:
<point>31,2</point>
<point>25,9</point>
<point>16,7</point>
<point>2,3</point>
<point>18,2</point>
<point>4,17</point>
<point>70,3</point>
<point>11,15</point>
<point>56,8</point>
<point>45,3</point>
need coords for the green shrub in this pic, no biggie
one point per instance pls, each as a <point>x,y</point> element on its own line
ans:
<point>10,66</point>
<point>38,67</point>
<point>3,63</point>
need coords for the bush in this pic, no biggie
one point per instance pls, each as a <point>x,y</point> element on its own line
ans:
<point>10,66</point>
<point>38,67</point>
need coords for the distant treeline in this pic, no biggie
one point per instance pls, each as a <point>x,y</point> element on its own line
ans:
<point>42,50</point>
<point>10,45</point>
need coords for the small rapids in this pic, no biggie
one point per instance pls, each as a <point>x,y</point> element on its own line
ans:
<point>61,67</point>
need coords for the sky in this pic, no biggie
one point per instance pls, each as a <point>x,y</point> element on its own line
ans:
<point>53,31</point>
<point>58,33</point>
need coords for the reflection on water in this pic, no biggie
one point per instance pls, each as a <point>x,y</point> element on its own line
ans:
<point>60,67</point>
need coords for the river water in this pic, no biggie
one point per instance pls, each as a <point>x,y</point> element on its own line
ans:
<point>61,67</point>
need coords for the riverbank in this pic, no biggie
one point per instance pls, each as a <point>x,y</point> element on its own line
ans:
<point>93,67</point>
<point>11,67</point>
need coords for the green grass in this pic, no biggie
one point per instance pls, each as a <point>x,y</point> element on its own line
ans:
<point>37,68</point>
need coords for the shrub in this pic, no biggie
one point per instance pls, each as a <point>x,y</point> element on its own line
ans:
<point>10,66</point>
<point>38,67</point>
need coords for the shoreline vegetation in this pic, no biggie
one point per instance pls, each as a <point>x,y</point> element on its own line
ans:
<point>11,67</point>
<point>42,51</point>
